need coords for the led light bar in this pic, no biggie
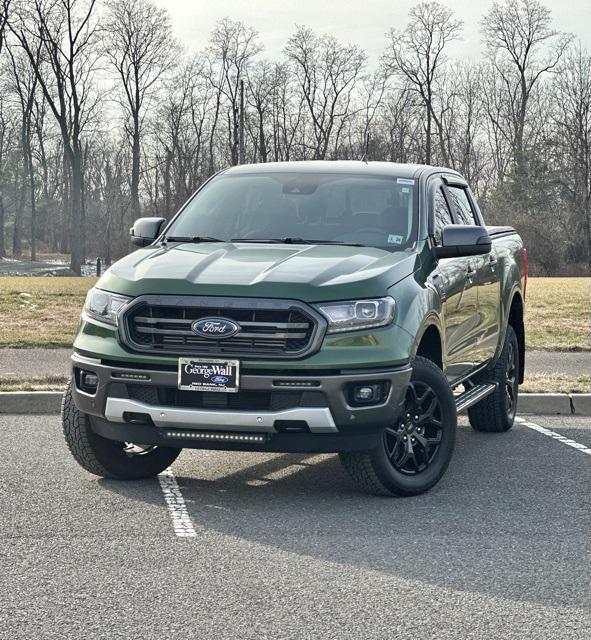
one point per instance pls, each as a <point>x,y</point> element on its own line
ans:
<point>296,383</point>
<point>130,376</point>
<point>216,437</point>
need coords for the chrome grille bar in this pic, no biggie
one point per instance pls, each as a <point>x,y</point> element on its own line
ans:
<point>278,325</point>
<point>277,328</point>
<point>242,334</point>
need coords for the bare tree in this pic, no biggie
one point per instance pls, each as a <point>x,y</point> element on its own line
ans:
<point>573,138</point>
<point>261,86</point>
<point>7,135</point>
<point>522,46</point>
<point>372,94</point>
<point>140,45</point>
<point>287,108</point>
<point>232,48</point>
<point>4,10</point>
<point>418,54</point>
<point>24,82</point>
<point>327,73</point>
<point>64,33</point>
<point>518,126</point>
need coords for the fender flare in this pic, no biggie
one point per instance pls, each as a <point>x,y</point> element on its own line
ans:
<point>432,319</point>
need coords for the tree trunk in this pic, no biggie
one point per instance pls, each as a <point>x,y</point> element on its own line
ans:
<point>33,219</point>
<point>2,238</point>
<point>17,234</point>
<point>135,170</point>
<point>65,212</point>
<point>75,211</point>
<point>428,134</point>
<point>262,142</point>
<point>32,198</point>
<point>167,190</point>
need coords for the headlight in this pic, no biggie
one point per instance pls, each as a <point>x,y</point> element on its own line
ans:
<point>104,306</point>
<point>358,314</point>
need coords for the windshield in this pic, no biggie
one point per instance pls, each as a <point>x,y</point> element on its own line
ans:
<point>310,207</point>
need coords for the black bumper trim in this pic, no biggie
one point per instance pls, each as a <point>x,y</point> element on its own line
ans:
<point>358,422</point>
<point>273,443</point>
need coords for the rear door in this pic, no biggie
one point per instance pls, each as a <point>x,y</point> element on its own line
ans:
<point>487,276</point>
<point>459,289</point>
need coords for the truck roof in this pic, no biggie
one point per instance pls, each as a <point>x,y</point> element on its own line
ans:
<point>339,166</point>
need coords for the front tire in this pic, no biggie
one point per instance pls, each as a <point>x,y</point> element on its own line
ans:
<point>108,458</point>
<point>415,452</point>
<point>496,412</point>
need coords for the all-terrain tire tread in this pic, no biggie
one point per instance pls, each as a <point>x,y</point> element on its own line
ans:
<point>489,415</point>
<point>361,469</point>
<point>75,427</point>
<point>358,465</point>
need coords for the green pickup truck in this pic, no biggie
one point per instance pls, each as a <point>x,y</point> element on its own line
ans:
<point>345,307</point>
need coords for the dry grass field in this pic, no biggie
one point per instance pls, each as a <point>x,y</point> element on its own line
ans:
<point>558,314</point>
<point>40,311</point>
<point>44,311</point>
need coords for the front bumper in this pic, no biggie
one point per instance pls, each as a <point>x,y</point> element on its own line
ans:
<point>330,423</point>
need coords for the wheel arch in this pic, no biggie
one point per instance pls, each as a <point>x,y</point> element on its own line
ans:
<point>429,343</point>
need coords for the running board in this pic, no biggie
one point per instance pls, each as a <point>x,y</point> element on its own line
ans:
<point>473,395</point>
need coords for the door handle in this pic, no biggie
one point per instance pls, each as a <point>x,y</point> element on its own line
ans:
<point>492,262</point>
<point>471,273</point>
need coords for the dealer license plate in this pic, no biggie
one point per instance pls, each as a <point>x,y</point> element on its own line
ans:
<point>199,374</point>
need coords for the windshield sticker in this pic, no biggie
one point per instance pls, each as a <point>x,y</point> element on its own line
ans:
<point>405,190</point>
<point>393,239</point>
<point>405,181</point>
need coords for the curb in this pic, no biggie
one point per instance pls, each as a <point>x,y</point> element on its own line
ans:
<point>30,402</point>
<point>35,402</point>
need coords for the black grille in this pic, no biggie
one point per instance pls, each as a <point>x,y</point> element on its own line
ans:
<point>166,328</point>
<point>243,400</point>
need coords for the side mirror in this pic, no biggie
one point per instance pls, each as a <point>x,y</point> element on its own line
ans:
<point>146,230</point>
<point>459,240</point>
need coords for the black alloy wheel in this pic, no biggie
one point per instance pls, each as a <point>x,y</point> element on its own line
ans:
<point>414,453</point>
<point>413,444</point>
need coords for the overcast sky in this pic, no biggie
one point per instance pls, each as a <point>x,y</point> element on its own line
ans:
<point>361,22</point>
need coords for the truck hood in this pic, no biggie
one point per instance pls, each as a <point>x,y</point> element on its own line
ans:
<point>306,272</point>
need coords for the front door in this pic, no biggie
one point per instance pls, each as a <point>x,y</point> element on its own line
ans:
<point>459,288</point>
<point>486,278</point>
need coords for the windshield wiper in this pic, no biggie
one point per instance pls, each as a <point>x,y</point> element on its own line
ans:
<point>255,240</point>
<point>338,242</point>
<point>195,239</point>
<point>293,240</point>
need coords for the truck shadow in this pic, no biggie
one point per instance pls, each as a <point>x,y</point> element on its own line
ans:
<point>498,523</point>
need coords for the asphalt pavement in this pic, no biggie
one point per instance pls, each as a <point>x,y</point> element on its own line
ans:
<point>286,547</point>
<point>40,361</point>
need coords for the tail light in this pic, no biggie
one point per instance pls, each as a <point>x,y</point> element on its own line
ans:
<point>525,267</point>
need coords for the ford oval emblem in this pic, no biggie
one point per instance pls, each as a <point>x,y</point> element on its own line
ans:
<point>219,379</point>
<point>215,328</point>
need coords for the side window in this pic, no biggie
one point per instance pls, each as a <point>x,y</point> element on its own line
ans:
<point>442,213</point>
<point>461,205</point>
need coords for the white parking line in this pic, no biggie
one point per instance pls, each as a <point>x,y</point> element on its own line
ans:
<point>181,520</point>
<point>557,436</point>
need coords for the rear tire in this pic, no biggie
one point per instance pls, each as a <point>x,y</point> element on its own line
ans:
<point>427,428</point>
<point>496,412</point>
<point>109,458</point>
